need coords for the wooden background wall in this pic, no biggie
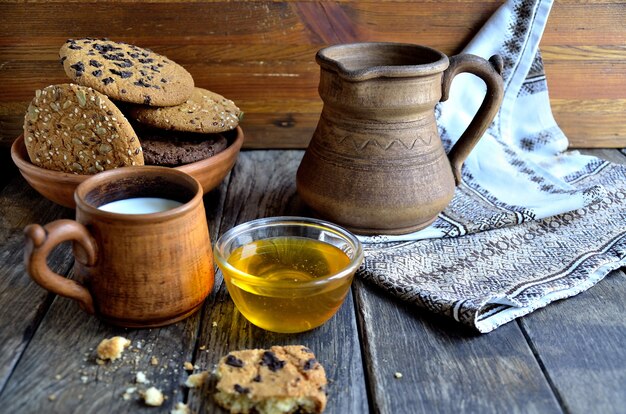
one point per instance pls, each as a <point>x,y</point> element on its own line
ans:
<point>261,53</point>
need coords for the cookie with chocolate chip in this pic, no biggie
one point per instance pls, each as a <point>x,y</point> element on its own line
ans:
<point>126,72</point>
<point>282,379</point>
<point>204,111</point>
<point>76,129</point>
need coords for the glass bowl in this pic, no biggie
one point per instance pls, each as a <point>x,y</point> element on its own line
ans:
<point>288,274</point>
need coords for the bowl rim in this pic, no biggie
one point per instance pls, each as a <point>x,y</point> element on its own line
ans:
<point>345,234</point>
<point>20,158</point>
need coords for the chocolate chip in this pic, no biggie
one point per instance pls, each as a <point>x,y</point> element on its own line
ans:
<point>133,55</point>
<point>159,65</point>
<point>123,90</point>
<point>97,73</point>
<point>307,350</point>
<point>105,48</point>
<point>241,390</point>
<point>95,63</point>
<point>146,100</point>
<point>257,378</point>
<point>155,68</point>
<point>114,56</point>
<point>234,361</point>
<point>146,60</point>
<point>141,82</point>
<point>163,80</point>
<point>125,63</point>
<point>79,67</point>
<point>108,80</point>
<point>91,53</point>
<point>74,46</point>
<point>63,59</point>
<point>309,364</point>
<point>270,360</point>
<point>121,73</point>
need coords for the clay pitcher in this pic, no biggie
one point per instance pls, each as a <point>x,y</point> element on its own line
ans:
<point>376,163</point>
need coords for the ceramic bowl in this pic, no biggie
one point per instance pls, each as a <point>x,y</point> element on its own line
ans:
<point>288,274</point>
<point>59,186</point>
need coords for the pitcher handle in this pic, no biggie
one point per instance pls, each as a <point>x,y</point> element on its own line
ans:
<point>490,72</point>
<point>41,240</point>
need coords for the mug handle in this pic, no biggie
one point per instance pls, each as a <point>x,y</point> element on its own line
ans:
<point>41,240</point>
<point>489,71</point>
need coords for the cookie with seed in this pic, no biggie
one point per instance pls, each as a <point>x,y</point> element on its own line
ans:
<point>204,111</point>
<point>76,129</point>
<point>126,72</point>
<point>282,379</point>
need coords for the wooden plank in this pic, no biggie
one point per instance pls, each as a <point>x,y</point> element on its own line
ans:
<point>603,120</point>
<point>263,184</point>
<point>585,357</point>
<point>22,302</point>
<point>58,371</point>
<point>445,368</point>
<point>264,50</point>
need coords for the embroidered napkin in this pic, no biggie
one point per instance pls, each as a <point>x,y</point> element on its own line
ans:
<point>538,224</point>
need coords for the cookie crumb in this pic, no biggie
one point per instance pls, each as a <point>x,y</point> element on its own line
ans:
<point>202,348</point>
<point>112,348</point>
<point>196,380</point>
<point>397,374</point>
<point>52,397</point>
<point>214,324</point>
<point>188,366</point>
<point>153,397</point>
<point>154,361</point>
<point>140,378</point>
<point>180,408</point>
<point>57,377</point>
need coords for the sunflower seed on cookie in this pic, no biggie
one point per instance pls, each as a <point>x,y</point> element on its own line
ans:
<point>204,111</point>
<point>126,72</point>
<point>76,129</point>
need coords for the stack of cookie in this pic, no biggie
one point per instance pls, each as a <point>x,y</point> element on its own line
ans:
<point>83,128</point>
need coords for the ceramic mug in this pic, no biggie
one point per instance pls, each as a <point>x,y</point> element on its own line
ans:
<point>133,270</point>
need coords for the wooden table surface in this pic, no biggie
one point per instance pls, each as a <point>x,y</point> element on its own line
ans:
<point>568,357</point>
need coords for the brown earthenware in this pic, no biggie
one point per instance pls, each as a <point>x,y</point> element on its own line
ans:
<point>376,163</point>
<point>59,187</point>
<point>132,270</point>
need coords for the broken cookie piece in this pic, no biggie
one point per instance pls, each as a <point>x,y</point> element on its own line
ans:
<point>152,397</point>
<point>282,379</point>
<point>112,348</point>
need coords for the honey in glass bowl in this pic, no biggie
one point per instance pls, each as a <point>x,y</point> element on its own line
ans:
<point>288,274</point>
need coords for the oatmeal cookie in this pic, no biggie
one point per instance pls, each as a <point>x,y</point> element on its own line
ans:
<point>204,111</point>
<point>76,129</point>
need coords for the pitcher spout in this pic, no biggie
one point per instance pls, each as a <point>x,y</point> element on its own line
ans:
<point>369,60</point>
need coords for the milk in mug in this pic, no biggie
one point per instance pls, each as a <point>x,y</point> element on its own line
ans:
<point>140,205</point>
